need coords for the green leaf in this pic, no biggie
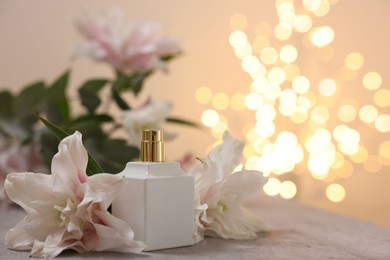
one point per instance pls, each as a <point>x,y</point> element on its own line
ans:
<point>95,119</point>
<point>167,58</point>
<point>57,108</point>
<point>115,153</point>
<point>119,100</point>
<point>137,81</point>
<point>121,83</point>
<point>93,167</point>
<point>30,98</point>
<point>89,93</point>
<point>7,104</point>
<point>181,121</point>
<point>131,83</point>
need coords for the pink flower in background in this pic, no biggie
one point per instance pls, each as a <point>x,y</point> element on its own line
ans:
<point>15,157</point>
<point>128,47</point>
<point>67,209</point>
<point>187,162</point>
<point>220,194</point>
<point>150,116</point>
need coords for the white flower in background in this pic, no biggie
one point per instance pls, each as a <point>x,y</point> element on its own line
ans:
<point>128,47</point>
<point>149,116</point>
<point>220,194</point>
<point>67,209</point>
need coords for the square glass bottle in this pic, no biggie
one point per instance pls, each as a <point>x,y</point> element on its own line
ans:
<point>157,198</point>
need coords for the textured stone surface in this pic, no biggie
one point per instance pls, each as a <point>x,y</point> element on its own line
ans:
<point>294,232</point>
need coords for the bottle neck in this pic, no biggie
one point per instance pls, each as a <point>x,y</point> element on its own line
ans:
<point>152,146</point>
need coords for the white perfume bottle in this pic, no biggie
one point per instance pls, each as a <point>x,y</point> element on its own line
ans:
<point>157,198</point>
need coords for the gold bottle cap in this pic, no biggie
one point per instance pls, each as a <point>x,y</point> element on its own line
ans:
<point>152,146</point>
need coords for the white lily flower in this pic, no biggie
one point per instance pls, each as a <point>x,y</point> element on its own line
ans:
<point>128,47</point>
<point>220,194</point>
<point>149,116</point>
<point>67,209</point>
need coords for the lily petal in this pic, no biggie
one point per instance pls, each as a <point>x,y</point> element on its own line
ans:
<point>25,188</point>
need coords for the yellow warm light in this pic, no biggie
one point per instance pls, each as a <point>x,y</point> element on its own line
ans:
<point>276,75</point>
<point>368,113</point>
<point>248,152</point>
<point>279,88</point>
<point>338,132</point>
<point>250,64</point>
<point>319,115</point>
<point>322,153</point>
<point>382,98</point>
<point>345,171</point>
<point>299,117</point>
<point>373,164</point>
<point>286,15</point>
<point>318,167</point>
<point>282,33</point>
<point>354,61</point>
<point>311,5</point>
<point>303,23</point>
<point>250,163</point>
<point>259,84</point>
<point>339,161</point>
<point>384,150</point>
<point>292,71</point>
<point>349,136</point>
<point>347,113</point>
<point>322,36</point>
<point>304,103</point>
<point>220,101</point>
<point>288,97</point>
<point>259,144</point>
<point>284,6</point>
<point>323,9</point>
<point>265,129</point>
<point>251,135</point>
<point>253,101</point>
<point>243,51</point>
<point>335,192</point>
<point>272,91</point>
<point>301,84</point>
<point>287,109</point>
<point>349,141</point>
<point>269,55</point>
<point>203,95</point>
<point>238,39</point>
<point>280,157</point>
<point>237,101</point>
<point>218,130</point>
<point>272,187</point>
<point>288,190</point>
<point>372,80</point>
<point>259,43</point>
<point>265,113</point>
<point>382,123</point>
<point>288,54</point>
<point>327,87</point>
<point>361,156</point>
<point>210,118</point>
<point>238,22</point>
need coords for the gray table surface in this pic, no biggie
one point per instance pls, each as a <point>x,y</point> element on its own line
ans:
<point>294,232</point>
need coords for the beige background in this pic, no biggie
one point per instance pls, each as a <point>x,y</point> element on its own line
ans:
<point>37,38</point>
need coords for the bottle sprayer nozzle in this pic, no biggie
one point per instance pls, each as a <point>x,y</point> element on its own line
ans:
<point>152,146</point>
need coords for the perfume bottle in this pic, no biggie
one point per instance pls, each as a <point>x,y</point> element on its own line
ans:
<point>157,198</point>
